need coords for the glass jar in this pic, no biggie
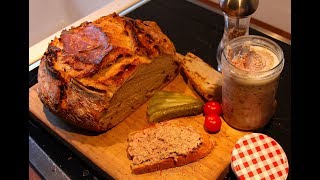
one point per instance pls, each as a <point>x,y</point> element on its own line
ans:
<point>233,28</point>
<point>248,95</point>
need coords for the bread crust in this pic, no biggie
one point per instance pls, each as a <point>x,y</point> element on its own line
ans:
<point>202,77</point>
<point>203,150</point>
<point>82,71</point>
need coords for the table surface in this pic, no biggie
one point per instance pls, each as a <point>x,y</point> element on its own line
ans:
<point>192,29</point>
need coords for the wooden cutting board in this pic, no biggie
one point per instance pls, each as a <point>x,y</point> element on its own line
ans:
<point>108,150</point>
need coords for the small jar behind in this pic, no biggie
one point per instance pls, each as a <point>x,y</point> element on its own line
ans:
<point>237,15</point>
<point>251,67</point>
<point>233,27</point>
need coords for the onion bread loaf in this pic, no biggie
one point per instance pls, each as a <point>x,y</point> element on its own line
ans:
<point>202,77</point>
<point>95,75</point>
<point>166,145</point>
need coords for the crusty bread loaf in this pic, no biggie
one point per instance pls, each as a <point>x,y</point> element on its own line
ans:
<point>166,145</point>
<point>95,75</point>
<point>203,78</point>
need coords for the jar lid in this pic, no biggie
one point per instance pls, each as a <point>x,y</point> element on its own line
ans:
<point>258,156</point>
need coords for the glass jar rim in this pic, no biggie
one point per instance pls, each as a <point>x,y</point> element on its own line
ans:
<point>251,38</point>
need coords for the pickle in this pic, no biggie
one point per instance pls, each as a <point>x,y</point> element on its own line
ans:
<point>167,105</point>
<point>166,97</point>
<point>159,106</point>
<point>176,111</point>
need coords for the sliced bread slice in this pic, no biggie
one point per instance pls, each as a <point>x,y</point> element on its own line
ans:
<point>166,145</point>
<point>202,77</point>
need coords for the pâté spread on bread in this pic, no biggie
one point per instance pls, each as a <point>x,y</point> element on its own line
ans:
<point>166,145</point>
<point>95,75</point>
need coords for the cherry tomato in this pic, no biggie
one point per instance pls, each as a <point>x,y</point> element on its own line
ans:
<point>212,123</point>
<point>212,107</point>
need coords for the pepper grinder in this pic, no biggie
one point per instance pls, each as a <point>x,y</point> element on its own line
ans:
<point>237,14</point>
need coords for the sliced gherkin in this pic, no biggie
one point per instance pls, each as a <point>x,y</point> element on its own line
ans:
<point>159,106</point>
<point>169,98</point>
<point>167,105</point>
<point>176,111</point>
<point>169,101</point>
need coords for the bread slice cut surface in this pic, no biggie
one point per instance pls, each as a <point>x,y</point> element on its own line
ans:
<point>202,77</point>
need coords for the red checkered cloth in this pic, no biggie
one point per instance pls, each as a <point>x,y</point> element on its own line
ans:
<point>258,156</point>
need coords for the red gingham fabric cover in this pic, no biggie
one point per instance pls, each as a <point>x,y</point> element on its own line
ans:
<point>258,156</point>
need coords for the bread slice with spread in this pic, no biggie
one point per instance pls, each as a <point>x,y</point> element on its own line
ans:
<point>166,145</point>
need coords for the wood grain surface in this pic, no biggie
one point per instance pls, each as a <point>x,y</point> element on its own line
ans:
<point>108,150</point>
<point>33,175</point>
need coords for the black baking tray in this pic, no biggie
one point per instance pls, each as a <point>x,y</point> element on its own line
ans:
<point>192,29</point>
